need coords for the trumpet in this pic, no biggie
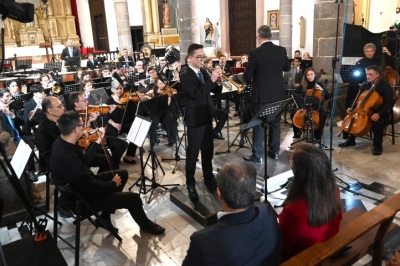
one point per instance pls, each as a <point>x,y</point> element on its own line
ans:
<point>228,82</point>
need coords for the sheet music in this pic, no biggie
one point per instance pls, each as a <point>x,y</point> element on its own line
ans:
<point>138,131</point>
<point>20,158</point>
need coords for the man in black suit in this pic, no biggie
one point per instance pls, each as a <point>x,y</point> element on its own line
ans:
<point>125,59</point>
<point>246,233</point>
<point>33,109</point>
<point>70,51</point>
<point>197,85</point>
<point>264,69</point>
<point>92,63</point>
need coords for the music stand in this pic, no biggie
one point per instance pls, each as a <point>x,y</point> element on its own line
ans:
<point>72,88</point>
<point>177,101</point>
<point>353,75</point>
<point>73,63</point>
<point>101,85</point>
<point>98,95</point>
<point>266,114</point>
<point>19,103</point>
<point>55,66</point>
<point>23,64</point>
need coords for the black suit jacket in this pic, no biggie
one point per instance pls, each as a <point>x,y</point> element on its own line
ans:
<point>198,107</point>
<point>122,60</point>
<point>65,52</point>
<point>264,69</point>
<point>251,237</point>
<point>91,65</point>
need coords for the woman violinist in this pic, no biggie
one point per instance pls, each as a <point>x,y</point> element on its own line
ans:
<point>122,114</point>
<point>310,85</point>
<point>163,113</point>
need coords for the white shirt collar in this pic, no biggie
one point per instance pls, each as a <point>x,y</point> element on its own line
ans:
<point>194,69</point>
<point>220,214</point>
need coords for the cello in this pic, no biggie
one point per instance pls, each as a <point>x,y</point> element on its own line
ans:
<point>358,121</point>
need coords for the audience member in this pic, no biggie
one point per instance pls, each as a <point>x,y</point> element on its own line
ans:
<point>246,233</point>
<point>312,210</point>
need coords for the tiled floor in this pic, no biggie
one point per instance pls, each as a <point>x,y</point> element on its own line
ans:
<point>138,248</point>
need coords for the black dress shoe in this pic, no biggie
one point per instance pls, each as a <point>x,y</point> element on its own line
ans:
<point>253,159</point>
<point>217,136</point>
<point>192,192</point>
<point>33,177</point>
<point>210,183</point>
<point>348,143</point>
<point>273,155</point>
<point>108,224</point>
<point>297,136</point>
<point>153,228</point>
<point>132,161</point>
<point>377,151</point>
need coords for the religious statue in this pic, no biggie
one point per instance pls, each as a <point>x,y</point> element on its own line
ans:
<point>40,11</point>
<point>166,10</point>
<point>209,29</point>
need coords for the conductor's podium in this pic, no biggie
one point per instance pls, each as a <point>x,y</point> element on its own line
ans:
<point>204,210</point>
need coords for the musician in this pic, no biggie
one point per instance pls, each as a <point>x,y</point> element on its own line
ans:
<point>297,53</point>
<point>103,192</point>
<point>117,146</point>
<point>13,86</point>
<point>243,60</point>
<point>310,82</point>
<point>70,51</point>
<point>197,85</point>
<point>163,114</point>
<point>120,119</point>
<point>92,63</point>
<point>11,123</point>
<point>126,59</point>
<point>86,88</point>
<point>33,113</point>
<point>147,84</point>
<point>306,56</point>
<point>380,116</point>
<point>298,72</point>
<point>144,60</point>
<point>369,59</point>
<point>268,87</point>
<point>225,67</point>
<point>46,82</point>
<point>174,70</point>
<point>162,69</point>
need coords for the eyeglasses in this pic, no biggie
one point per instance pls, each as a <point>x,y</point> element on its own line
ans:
<point>80,125</point>
<point>201,57</point>
<point>290,158</point>
<point>296,61</point>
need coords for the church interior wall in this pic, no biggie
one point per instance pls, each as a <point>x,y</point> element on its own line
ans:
<point>305,9</point>
<point>135,13</point>
<point>381,16</point>
<point>85,24</point>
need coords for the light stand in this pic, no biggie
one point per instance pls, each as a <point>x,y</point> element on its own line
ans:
<point>53,58</point>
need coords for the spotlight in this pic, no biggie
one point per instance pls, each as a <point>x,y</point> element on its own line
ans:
<point>357,73</point>
<point>22,12</point>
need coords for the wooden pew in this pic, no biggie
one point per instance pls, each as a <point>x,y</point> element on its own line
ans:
<point>364,231</point>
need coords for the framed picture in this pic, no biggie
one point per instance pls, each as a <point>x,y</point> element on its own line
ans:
<point>273,19</point>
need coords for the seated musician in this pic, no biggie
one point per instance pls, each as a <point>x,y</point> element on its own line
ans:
<point>380,116</point>
<point>126,59</point>
<point>102,191</point>
<point>92,63</point>
<point>298,76</point>
<point>47,82</point>
<point>140,70</point>
<point>106,74</point>
<point>147,84</point>
<point>94,120</point>
<point>163,114</point>
<point>15,91</point>
<point>310,82</point>
<point>11,123</point>
<point>243,60</point>
<point>225,67</point>
<point>86,88</point>
<point>144,60</point>
<point>84,76</point>
<point>174,70</point>
<point>238,63</point>
<point>119,119</point>
<point>33,113</point>
<point>369,59</point>
<point>312,210</point>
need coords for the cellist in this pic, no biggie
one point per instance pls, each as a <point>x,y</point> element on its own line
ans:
<point>369,59</point>
<point>380,116</point>
<point>310,82</point>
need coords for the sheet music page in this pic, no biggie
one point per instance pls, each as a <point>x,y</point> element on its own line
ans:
<point>134,129</point>
<point>20,158</point>
<point>138,131</point>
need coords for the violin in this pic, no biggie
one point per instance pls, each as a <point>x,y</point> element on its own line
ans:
<point>101,109</point>
<point>167,91</point>
<point>89,135</point>
<point>128,97</point>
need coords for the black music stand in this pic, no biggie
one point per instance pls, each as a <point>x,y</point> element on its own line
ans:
<point>99,96</point>
<point>353,75</point>
<point>227,96</point>
<point>19,103</point>
<point>309,103</point>
<point>71,88</point>
<point>243,132</point>
<point>98,85</point>
<point>266,114</point>
<point>54,66</point>
<point>179,100</point>
<point>23,64</point>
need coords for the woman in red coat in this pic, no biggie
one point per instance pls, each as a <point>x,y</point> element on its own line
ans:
<point>312,210</point>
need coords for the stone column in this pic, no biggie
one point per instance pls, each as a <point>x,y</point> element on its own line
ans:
<point>325,23</point>
<point>85,23</point>
<point>146,11</point>
<point>188,25</point>
<point>123,27</point>
<point>285,27</point>
<point>154,15</point>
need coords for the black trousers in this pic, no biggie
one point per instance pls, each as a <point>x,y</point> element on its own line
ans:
<point>274,136</point>
<point>118,148</point>
<point>199,138</point>
<point>169,123</point>
<point>378,127</point>
<point>113,132</point>
<point>111,201</point>
<point>221,118</point>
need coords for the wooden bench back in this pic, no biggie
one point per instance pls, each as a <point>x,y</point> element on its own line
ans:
<point>382,216</point>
